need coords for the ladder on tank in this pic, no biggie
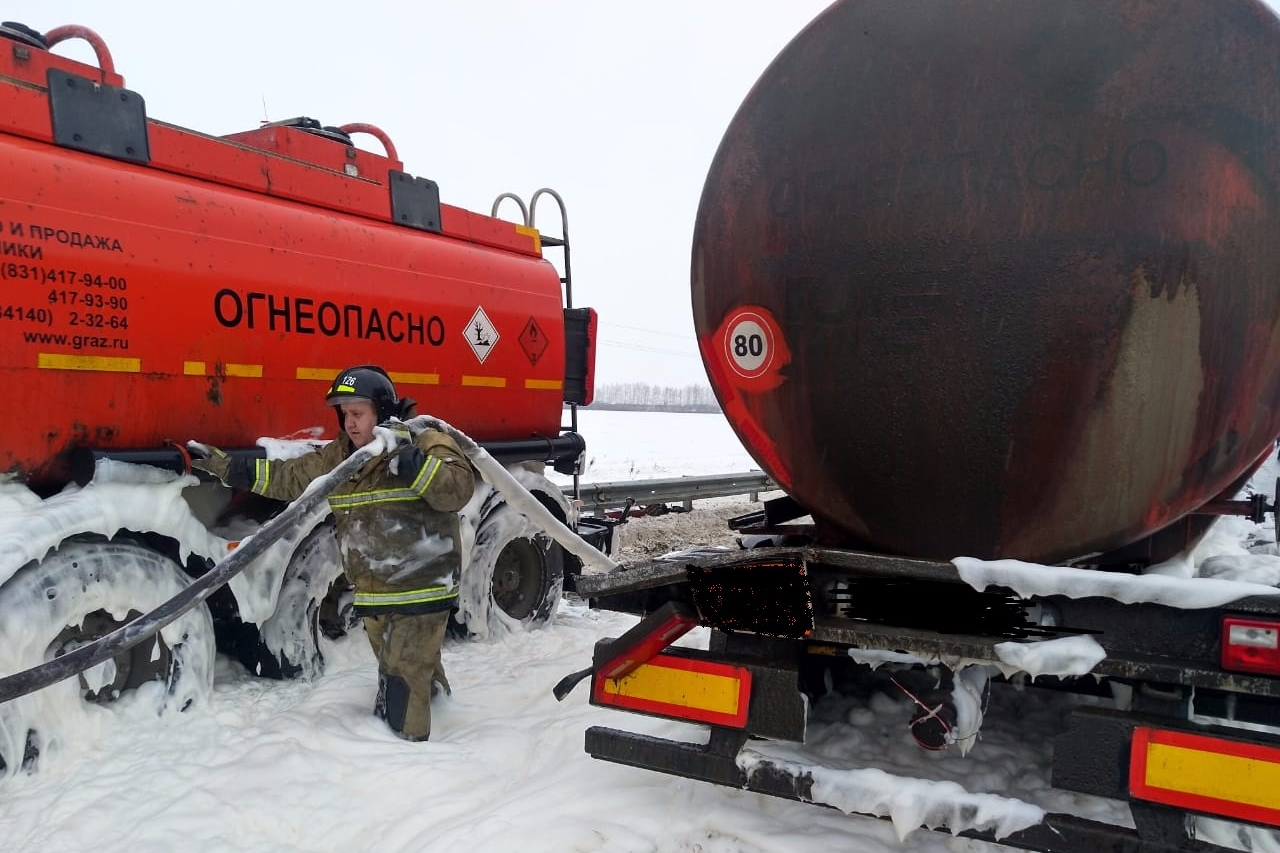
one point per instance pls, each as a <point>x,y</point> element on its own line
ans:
<point>528,217</point>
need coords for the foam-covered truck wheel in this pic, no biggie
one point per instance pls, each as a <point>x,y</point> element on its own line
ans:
<point>287,644</point>
<point>514,577</point>
<point>86,589</point>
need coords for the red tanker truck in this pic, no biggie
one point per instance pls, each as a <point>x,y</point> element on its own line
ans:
<point>162,284</point>
<point>991,289</point>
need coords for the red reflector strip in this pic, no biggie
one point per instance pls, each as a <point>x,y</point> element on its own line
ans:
<point>1249,645</point>
<point>1208,774</point>
<point>680,688</point>
<point>663,634</point>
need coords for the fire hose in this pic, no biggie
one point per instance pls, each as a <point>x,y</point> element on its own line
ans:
<point>147,625</point>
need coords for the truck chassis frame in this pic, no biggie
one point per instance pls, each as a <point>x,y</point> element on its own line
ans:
<point>813,603</point>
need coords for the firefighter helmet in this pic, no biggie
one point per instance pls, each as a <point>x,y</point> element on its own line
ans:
<point>365,382</point>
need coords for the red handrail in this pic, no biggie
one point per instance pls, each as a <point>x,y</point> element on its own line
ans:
<point>70,31</point>
<point>372,130</point>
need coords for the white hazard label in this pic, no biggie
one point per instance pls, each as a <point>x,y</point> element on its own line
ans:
<point>480,334</point>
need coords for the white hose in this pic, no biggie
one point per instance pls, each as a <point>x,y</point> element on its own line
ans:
<point>518,497</point>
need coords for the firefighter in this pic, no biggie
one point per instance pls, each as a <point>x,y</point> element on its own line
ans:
<point>398,533</point>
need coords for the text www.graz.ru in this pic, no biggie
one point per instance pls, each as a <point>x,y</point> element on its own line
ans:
<point>76,342</point>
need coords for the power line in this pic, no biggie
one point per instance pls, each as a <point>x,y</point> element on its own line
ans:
<point>643,348</point>
<point>646,331</point>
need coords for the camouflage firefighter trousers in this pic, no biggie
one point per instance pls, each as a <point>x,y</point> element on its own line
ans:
<point>408,652</point>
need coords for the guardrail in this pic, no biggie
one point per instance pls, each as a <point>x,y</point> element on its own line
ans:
<point>683,490</point>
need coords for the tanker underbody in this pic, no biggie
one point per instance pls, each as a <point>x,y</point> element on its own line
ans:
<point>1163,693</point>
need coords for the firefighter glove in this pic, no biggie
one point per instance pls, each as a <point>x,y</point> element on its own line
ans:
<point>403,449</point>
<point>210,459</point>
<point>400,432</point>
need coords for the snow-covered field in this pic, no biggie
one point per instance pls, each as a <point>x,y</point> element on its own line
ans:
<point>649,445</point>
<point>264,766</point>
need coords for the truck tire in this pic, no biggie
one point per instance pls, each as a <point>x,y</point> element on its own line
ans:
<point>293,631</point>
<point>514,575</point>
<point>83,590</point>
<point>287,644</point>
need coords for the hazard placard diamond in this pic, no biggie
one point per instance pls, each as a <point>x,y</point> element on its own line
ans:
<point>481,334</point>
<point>533,341</point>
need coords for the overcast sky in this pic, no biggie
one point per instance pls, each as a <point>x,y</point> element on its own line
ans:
<point>619,107</point>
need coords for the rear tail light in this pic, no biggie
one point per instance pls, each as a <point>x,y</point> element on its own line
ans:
<point>1251,645</point>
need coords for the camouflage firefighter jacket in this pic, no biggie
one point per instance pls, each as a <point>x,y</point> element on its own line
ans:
<point>398,533</point>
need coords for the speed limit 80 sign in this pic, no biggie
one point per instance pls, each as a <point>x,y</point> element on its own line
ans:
<point>751,345</point>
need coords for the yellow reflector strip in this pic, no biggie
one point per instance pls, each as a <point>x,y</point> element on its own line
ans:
<point>683,688</point>
<point>543,384</point>
<point>320,374</point>
<point>531,232</point>
<point>673,687</point>
<point>193,368</point>
<point>244,371</point>
<point>326,374</point>
<point>484,382</point>
<point>49,361</point>
<point>1209,774</point>
<point>415,378</point>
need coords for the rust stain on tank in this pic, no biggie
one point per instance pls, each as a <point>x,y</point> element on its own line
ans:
<point>214,392</point>
<point>1138,431</point>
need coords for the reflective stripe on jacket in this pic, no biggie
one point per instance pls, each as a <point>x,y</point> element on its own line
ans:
<point>377,496</point>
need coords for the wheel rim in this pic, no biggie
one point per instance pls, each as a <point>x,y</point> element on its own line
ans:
<point>126,671</point>
<point>519,577</point>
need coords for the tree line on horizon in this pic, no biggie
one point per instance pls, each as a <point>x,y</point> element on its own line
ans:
<point>642,396</point>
